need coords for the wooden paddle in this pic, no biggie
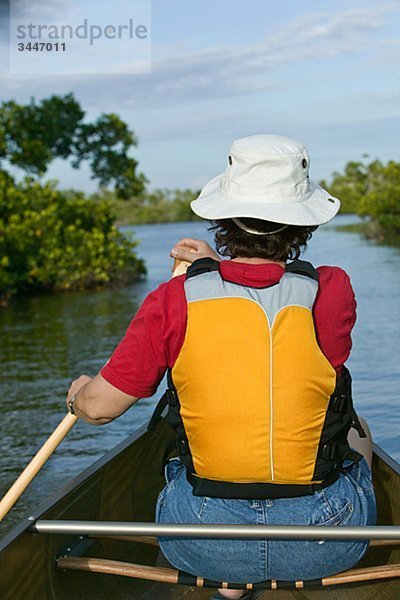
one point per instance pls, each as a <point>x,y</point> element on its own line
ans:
<point>36,464</point>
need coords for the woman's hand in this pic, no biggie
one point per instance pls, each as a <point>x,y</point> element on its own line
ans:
<point>189,250</point>
<point>98,402</point>
<point>76,385</point>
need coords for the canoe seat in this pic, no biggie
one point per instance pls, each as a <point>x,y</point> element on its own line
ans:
<point>167,575</point>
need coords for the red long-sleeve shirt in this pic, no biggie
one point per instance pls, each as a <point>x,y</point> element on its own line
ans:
<point>155,336</point>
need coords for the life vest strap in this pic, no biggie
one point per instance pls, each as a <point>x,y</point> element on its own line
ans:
<point>202,265</point>
<point>338,453</point>
<point>302,267</point>
<point>207,264</point>
<point>260,491</point>
<point>158,411</point>
<point>169,398</point>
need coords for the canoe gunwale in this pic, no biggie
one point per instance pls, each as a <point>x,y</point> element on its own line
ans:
<point>386,458</point>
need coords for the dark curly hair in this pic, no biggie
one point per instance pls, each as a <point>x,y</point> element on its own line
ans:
<point>232,241</point>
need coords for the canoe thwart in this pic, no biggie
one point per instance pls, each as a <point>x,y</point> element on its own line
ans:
<point>172,576</point>
<point>122,528</point>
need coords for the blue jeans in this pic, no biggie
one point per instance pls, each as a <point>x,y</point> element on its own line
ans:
<point>348,501</point>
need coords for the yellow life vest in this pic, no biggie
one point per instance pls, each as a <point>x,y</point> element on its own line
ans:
<point>250,390</point>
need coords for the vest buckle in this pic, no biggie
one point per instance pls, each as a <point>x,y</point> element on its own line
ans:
<point>182,447</point>
<point>329,451</point>
<point>172,398</point>
<point>339,403</point>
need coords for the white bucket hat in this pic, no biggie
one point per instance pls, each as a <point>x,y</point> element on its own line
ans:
<point>267,178</point>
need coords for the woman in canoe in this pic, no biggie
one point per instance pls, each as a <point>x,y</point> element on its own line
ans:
<point>258,393</point>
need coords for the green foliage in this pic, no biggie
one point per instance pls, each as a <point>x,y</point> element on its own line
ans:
<point>349,186</point>
<point>159,206</point>
<point>381,201</point>
<point>33,135</point>
<point>371,190</point>
<point>105,143</point>
<point>54,240</point>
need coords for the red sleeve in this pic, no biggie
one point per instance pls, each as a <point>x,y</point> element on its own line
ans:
<point>334,314</point>
<point>151,343</point>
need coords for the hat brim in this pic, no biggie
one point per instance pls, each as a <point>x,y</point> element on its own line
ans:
<point>317,208</point>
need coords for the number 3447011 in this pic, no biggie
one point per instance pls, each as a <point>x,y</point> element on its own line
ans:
<point>42,47</point>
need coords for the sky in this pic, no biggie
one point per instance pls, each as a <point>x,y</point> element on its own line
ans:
<point>324,73</point>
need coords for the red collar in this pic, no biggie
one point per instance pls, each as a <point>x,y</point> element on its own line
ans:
<point>250,274</point>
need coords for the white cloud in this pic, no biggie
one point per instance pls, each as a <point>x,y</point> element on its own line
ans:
<point>225,72</point>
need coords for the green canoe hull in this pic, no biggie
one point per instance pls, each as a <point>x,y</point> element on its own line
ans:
<point>123,486</point>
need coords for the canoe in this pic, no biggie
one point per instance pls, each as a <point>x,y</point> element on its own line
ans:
<point>123,486</point>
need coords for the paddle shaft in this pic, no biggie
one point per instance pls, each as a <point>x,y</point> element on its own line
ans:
<point>36,464</point>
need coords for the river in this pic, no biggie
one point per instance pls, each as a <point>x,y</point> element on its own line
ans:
<point>47,340</point>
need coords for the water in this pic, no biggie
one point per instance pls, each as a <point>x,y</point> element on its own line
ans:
<point>48,340</point>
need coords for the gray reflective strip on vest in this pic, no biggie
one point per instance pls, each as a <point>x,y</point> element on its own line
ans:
<point>291,290</point>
